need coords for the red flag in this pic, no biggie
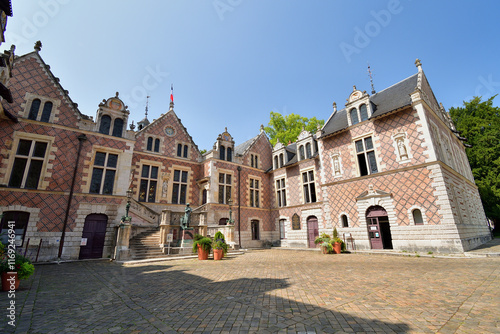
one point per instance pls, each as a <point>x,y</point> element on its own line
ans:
<point>172,93</point>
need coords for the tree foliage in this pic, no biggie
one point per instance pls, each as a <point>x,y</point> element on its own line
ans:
<point>479,122</point>
<point>287,128</point>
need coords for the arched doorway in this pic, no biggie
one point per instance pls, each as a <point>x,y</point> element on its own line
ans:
<point>379,230</point>
<point>312,231</point>
<point>93,235</point>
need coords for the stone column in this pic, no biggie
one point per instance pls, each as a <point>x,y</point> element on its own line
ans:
<point>122,250</point>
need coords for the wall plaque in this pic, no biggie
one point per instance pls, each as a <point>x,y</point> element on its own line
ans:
<point>295,222</point>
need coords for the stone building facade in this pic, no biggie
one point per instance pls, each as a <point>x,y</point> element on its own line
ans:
<point>388,171</point>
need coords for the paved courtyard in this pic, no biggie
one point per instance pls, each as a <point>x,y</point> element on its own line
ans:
<point>265,291</point>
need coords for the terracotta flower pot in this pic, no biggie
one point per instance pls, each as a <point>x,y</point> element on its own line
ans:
<point>324,250</point>
<point>218,254</point>
<point>202,254</point>
<point>337,247</point>
<point>8,282</point>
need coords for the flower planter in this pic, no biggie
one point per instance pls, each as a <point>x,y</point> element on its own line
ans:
<point>218,254</point>
<point>337,247</point>
<point>324,250</point>
<point>202,254</point>
<point>7,281</point>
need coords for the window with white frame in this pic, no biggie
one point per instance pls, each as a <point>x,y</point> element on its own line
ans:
<point>344,220</point>
<point>254,193</point>
<point>179,186</point>
<point>103,173</point>
<point>309,187</point>
<point>365,151</point>
<point>149,182</point>
<point>28,163</point>
<point>417,217</point>
<point>280,193</point>
<point>225,188</point>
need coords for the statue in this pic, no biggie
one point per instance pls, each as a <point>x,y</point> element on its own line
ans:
<point>186,219</point>
<point>403,153</point>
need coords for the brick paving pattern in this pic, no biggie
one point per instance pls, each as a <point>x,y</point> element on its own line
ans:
<point>264,291</point>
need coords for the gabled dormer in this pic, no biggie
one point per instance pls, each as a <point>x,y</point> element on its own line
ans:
<point>280,155</point>
<point>112,117</point>
<point>307,147</point>
<point>358,107</point>
<point>224,146</point>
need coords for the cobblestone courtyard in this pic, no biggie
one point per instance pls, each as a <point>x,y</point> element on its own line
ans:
<point>262,292</point>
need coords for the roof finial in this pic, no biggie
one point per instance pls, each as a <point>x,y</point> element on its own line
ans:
<point>353,88</point>
<point>334,106</point>
<point>418,64</point>
<point>371,79</point>
<point>172,97</point>
<point>147,105</point>
<point>262,128</point>
<point>38,46</point>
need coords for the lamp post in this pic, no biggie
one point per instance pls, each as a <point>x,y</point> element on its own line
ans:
<point>231,220</point>
<point>127,218</point>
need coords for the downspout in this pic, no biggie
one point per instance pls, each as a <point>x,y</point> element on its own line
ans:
<point>239,206</point>
<point>81,139</point>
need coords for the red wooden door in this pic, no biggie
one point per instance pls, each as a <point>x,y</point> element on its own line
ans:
<point>312,231</point>
<point>375,234</point>
<point>93,235</point>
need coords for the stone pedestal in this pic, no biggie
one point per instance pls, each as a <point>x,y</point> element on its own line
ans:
<point>122,250</point>
<point>187,238</point>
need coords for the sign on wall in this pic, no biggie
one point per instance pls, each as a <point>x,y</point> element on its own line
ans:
<point>295,222</point>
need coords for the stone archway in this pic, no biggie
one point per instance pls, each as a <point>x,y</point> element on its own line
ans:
<point>379,230</point>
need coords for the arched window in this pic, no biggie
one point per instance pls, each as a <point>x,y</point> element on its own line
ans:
<point>149,145</point>
<point>222,153</point>
<point>157,145</point>
<point>47,109</point>
<point>179,150</point>
<point>35,106</point>
<point>282,162</point>
<point>229,154</point>
<point>105,125</point>
<point>308,150</point>
<point>364,112</point>
<point>118,127</point>
<point>354,116</point>
<point>301,152</point>
<point>276,166</point>
<point>417,217</point>
<point>345,221</point>
<point>185,152</point>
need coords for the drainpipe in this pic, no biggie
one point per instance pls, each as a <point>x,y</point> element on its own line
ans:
<point>239,206</point>
<point>81,139</point>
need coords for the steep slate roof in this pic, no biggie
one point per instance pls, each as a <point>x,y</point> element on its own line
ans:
<point>385,101</point>
<point>241,148</point>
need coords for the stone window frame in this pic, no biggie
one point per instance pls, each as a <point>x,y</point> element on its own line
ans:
<point>341,222</point>
<point>280,190</point>
<point>154,138</point>
<point>159,180</point>
<point>410,215</point>
<point>89,168</point>
<point>374,149</point>
<point>49,156</point>
<point>184,145</point>
<point>316,192</point>
<point>28,101</point>
<point>356,107</point>
<point>227,172</point>
<point>259,189</point>
<point>254,157</point>
<point>188,183</point>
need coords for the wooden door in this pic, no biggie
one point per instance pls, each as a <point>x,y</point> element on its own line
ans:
<point>93,235</point>
<point>312,231</point>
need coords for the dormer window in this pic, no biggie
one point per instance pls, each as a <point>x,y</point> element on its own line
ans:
<point>105,125</point>
<point>282,160</point>
<point>222,153</point>
<point>229,152</point>
<point>308,151</point>
<point>363,111</point>
<point>118,127</point>
<point>276,165</point>
<point>354,116</point>
<point>301,152</point>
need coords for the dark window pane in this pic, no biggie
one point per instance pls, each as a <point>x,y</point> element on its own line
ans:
<point>221,194</point>
<point>152,191</point>
<point>304,177</point>
<point>184,177</point>
<point>95,183</point>
<point>284,197</point>
<point>257,184</point>
<point>359,146</point>
<point>306,194</point>
<point>179,150</point>
<point>34,174</point>
<point>363,169</point>
<point>145,171</point>
<point>154,172</point>
<point>311,176</point>
<point>35,106</point>
<point>229,154</point>
<point>372,161</point>
<point>143,190</point>
<point>301,152</point>
<point>40,150</point>
<point>112,160</point>
<point>185,151</point>
<point>157,145</point>
<point>47,109</point>
<point>278,197</point>
<point>105,125</point>
<point>308,150</point>
<point>175,193</point>
<point>149,145</point>
<point>251,198</point>
<point>345,222</point>
<point>118,127</point>
<point>100,158</point>
<point>24,147</point>
<point>251,183</point>
<point>228,194</point>
<point>228,179</point>
<point>354,116</point>
<point>222,153</point>
<point>16,178</point>
<point>368,143</point>
<point>364,112</point>
<point>417,217</point>
<point>183,194</point>
<point>313,192</point>
<point>256,198</point>
<point>109,181</point>
<point>221,177</point>
<point>177,175</point>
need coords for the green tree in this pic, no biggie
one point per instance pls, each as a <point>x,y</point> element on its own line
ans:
<point>479,122</point>
<point>287,128</point>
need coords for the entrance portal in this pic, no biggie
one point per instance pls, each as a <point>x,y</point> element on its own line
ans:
<point>379,230</point>
<point>312,231</point>
<point>93,235</point>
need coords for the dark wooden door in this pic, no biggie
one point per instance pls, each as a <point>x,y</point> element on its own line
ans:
<point>374,233</point>
<point>94,233</point>
<point>312,231</point>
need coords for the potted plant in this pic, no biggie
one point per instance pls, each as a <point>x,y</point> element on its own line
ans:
<point>21,269</point>
<point>202,245</point>
<point>324,242</point>
<point>337,243</point>
<point>219,246</point>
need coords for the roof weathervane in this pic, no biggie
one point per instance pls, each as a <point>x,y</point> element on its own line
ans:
<point>147,105</point>
<point>371,79</point>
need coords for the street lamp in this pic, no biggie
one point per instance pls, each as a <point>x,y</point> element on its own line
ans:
<point>127,218</point>
<point>230,221</point>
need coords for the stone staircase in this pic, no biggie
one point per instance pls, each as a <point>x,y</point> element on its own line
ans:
<point>145,245</point>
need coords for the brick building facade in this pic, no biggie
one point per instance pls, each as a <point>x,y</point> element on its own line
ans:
<point>388,171</point>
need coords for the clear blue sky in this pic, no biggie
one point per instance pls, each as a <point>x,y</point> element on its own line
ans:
<point>232,62</point>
